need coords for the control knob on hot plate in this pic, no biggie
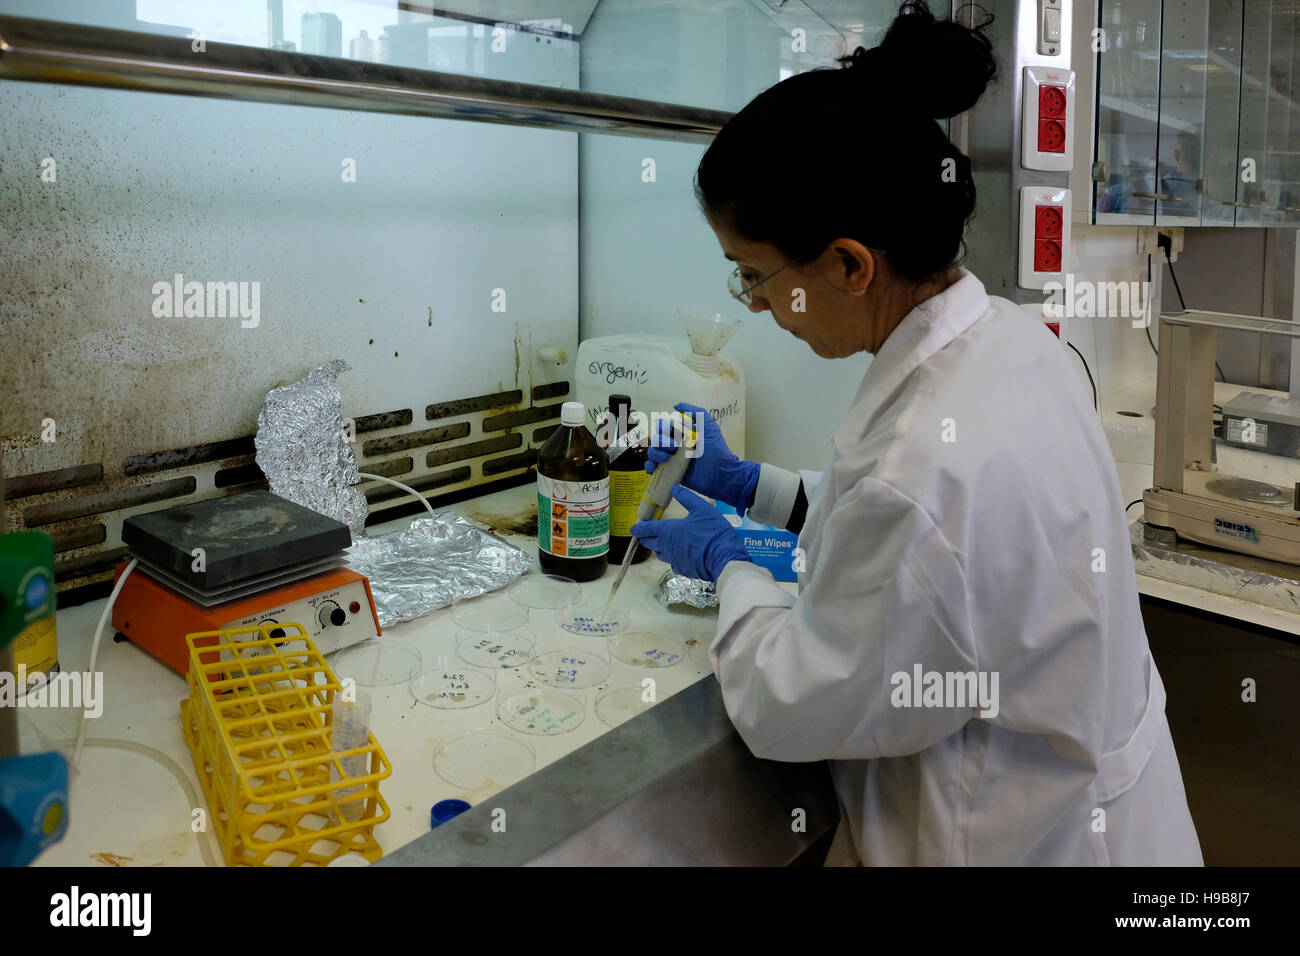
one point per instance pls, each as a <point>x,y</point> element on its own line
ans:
<point>331,613</point>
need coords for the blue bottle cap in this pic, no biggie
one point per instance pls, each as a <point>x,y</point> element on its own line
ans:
<point>444,810</point>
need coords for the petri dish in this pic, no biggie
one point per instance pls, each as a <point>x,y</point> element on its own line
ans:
<point>570,666</point>
<point>643,649</point>
<point>483,760</point>
<point>545,592</point>
<point>497,649</point>
<point>697,652</point>
<point>591,620</point>
<point>490,614</point>
<point>378,662</point>
<point>453,687</point>
<point>620,704</point>
<point>542,711</point>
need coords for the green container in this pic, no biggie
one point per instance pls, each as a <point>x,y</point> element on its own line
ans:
<point>28,601</point>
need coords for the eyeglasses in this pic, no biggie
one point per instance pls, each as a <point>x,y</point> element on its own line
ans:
<point>739,290</point>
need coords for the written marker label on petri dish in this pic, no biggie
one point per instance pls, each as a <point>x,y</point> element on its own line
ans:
<point>542,711</point>
<point>453,689</point>
<point>567,668</point>
<point>506,649</point>
<point>589,620</point>
<point>641,649</point>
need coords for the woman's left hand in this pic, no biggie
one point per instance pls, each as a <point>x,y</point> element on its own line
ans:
<point>699,545</point>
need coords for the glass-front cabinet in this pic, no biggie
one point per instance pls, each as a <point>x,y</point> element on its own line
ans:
<point>1128,112</point>
<point>1195,115</point>
<point>1270,126</point>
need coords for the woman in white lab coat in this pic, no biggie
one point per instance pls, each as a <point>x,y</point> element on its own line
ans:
<point>966,645</point>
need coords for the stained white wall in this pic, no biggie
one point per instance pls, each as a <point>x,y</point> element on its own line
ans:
<point>394,272</point>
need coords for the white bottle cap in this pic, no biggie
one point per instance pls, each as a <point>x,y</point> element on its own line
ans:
<point>573,413</point>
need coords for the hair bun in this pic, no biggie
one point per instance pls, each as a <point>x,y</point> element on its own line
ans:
<point>937,68</point>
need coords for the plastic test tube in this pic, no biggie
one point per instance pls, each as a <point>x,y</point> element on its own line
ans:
<point>351,729</point>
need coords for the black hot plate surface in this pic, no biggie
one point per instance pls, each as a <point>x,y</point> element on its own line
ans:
<point>242,536</point>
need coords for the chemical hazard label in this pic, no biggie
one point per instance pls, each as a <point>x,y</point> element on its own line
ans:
<point>578,525</point>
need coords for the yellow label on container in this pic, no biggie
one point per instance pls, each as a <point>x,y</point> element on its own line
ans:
<point>625,491</point>
<point>36,647</point>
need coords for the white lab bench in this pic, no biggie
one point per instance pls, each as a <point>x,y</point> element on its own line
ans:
<point>127,809</point>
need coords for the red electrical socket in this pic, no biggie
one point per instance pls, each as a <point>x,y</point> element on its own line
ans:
<point>1051,102</point>
<point>1047,255</point>
<point>1047,222</point>
<point>1051,136</point>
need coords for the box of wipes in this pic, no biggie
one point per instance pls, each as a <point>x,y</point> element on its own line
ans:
<point>768,547</point>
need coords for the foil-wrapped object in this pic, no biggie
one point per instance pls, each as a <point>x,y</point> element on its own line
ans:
<point>679,589</point>
<point>1240,576</point>
<point>437,560</point>
<point>303,450</point>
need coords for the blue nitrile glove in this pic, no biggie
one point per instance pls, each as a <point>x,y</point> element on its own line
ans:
<point>699,545</point>
<point>715,472</point>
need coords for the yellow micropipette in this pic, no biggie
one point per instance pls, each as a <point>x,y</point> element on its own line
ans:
<point>654,501</point>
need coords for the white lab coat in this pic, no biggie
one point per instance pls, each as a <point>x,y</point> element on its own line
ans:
<point>969,520</point>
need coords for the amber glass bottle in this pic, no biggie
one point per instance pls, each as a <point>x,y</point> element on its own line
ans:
<point>573,499</point>
<point>627,480</point>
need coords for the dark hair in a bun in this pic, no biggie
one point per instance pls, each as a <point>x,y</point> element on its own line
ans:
<point>856,151</point>
<point>937,68</point>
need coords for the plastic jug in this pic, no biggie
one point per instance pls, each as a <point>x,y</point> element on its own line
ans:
<point>657,372</point>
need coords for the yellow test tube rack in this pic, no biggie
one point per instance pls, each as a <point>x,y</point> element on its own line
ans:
<point>257,723</point>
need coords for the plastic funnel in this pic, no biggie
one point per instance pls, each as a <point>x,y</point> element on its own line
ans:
<point>708,332</point>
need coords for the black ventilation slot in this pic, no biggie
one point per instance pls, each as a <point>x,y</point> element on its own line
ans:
<point>383,420</point>
<point>444,456</point>
<point>70,539</point>
<point>108,501</point>
<point>479,403</point>
<point>61,479</point>
<point>494,466</point>
<point>552,390</point>
<point>391,468</point>
<point>525,416</point>
<point>88,564</point>
<point>429,436</point>
<point>248,474</point>
<point>384,492</point>
<point>186,457</point>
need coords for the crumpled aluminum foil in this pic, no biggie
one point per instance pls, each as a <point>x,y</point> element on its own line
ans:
<point>303,450</point>
<point>1218,572</point>
<point>679,589</point>
<point>438,560</point>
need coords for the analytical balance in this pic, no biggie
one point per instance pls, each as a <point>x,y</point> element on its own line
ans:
<point>1221,494</point>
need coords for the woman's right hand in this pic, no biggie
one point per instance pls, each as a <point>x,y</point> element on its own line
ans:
<point>716,471</point>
